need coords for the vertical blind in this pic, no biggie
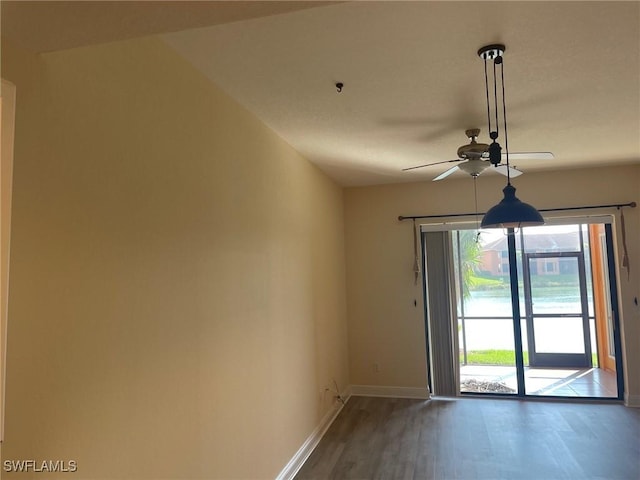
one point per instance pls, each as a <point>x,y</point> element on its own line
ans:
<point>441,325</point>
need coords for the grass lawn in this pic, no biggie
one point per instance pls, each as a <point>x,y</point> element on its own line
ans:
<point>500,357</point>
<point>484,282</point>
<point>493,357</point>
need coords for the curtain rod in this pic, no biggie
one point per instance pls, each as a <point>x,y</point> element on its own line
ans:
<point>451,215</point>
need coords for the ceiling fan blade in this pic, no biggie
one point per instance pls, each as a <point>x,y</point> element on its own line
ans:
<point>513,172</point>
<point>529,156</point>
<point>431,164</point>
<point>446,173</point>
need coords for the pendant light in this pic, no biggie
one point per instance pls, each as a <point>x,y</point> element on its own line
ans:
<point>510,212</point>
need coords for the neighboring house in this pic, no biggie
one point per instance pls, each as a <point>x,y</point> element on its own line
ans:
<point>495,257</point>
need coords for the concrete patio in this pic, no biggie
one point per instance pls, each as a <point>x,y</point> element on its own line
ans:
<point>589,382</point>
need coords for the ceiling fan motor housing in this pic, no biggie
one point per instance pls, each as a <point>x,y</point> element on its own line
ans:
<point>473,149</point>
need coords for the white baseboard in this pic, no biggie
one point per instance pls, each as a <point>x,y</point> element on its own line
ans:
<point>394,392</point>
<point>295,464</point>
<point>632,400</point>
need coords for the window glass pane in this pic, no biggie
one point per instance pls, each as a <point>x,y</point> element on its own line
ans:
<point>563,239</point>
<point>485,322</point>
<point>555,292</point>
<point>558,334</point>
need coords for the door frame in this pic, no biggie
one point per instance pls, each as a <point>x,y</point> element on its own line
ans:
<point>558,359</point>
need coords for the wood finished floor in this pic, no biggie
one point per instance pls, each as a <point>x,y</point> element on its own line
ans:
<point>469,438</point>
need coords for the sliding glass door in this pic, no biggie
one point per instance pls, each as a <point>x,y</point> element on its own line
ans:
<point>562,330</point>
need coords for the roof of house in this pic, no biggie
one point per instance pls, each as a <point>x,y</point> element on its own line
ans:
<point>541,242</point>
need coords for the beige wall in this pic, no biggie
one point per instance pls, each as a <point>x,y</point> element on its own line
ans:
<point>385,328</point>
<point>177,296</point>
<point>7,107</point>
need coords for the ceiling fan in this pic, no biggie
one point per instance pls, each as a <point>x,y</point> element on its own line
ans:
<point>474,159</point>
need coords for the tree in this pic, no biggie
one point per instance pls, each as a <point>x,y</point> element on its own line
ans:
<point>470,259</point>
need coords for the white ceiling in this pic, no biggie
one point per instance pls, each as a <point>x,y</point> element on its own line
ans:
<point>413,81</point>
<point>50,25</point>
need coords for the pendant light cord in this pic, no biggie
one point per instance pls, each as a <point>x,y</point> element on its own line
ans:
<point>495,98</point>
<point>504,118</point>
<point>486,89</point>
<point>475,198</point>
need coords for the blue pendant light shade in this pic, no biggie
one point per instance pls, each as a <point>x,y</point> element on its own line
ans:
<point>511,212</point>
